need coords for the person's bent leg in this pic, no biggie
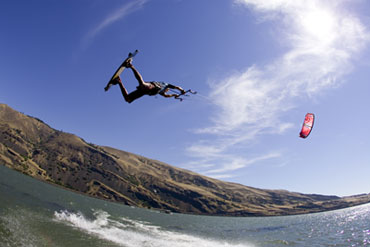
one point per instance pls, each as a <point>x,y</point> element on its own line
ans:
<point>124,92</point>
<point>129,97</point>
<point>135,95</point>
<point>138,76</point>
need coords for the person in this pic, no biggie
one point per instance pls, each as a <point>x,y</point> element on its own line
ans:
<point>146,88</point>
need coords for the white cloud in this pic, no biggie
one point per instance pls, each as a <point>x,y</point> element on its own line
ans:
<point>236,163</point>
<point>115,16</point>
<point>322,39</point>
<point>229,164</point>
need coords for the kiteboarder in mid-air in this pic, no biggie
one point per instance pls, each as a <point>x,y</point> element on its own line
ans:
<point>144,88</point>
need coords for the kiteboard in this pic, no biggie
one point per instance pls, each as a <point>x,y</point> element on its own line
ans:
<point>120,69</point>
<point>307,125</point>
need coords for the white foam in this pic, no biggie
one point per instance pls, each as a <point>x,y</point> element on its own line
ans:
<point>133,233</point>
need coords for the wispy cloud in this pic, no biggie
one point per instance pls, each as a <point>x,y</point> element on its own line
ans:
<point>115,16</point>
<point>228,164</point>
<point>237,163</point>
<point>322,39</point>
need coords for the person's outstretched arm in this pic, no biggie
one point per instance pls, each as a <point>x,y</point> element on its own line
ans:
<point>177,87</point>
<point>170,95</point>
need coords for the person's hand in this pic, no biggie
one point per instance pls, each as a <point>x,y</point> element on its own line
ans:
<point>177,96</point>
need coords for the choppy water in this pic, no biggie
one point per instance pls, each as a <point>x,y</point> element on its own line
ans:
<point>33,213</point>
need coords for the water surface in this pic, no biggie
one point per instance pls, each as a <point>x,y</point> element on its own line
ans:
<point>33,213</point>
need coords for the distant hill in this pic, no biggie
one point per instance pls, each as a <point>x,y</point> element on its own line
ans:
<point>30,146</point>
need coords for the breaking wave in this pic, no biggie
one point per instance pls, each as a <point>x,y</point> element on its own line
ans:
<point>131,233</point>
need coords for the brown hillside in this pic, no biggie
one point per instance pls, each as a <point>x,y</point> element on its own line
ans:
<point>32,147</point>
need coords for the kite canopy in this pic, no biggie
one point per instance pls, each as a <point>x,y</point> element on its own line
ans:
<point>307,125</point>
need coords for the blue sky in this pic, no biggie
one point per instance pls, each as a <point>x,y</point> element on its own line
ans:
<point>258,67</point>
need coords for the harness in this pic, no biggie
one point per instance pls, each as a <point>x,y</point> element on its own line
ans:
<point>160,86</point>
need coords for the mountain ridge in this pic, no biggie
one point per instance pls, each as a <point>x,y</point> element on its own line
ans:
<point>29,145</point>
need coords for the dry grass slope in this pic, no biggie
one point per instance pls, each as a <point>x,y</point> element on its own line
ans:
<point>34,148</point>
